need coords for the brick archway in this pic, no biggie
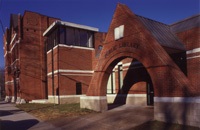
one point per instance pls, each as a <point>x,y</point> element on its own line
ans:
<point>168,80</point>
<point>172,89</point>
<point>138,43</point>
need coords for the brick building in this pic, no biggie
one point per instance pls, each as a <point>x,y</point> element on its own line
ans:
<point>138,61</point>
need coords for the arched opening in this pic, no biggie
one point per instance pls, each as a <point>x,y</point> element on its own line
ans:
<point>129,83</point>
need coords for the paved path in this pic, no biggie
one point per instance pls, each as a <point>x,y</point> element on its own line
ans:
<point>120,118</point>
<point>12,118</point>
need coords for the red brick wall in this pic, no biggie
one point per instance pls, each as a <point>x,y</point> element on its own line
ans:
<point>71,60</point>
<point>99,39</point>
<point>191,39</point>
<point>32,56</point>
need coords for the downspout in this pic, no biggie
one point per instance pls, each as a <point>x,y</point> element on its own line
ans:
<point>58,89</point>
<point>52,60</point>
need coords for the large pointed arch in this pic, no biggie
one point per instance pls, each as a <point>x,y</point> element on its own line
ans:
<point>140,44</point>
<point>175,99</point>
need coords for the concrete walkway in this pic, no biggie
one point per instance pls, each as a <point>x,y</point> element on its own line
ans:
<point>12,118</point>
<point>121,118</point>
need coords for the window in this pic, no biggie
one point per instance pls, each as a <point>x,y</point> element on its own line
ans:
<point>120,78</point>
<point>77,37</point>
<point>52,40</point>
<point>83,38</point>
<point>119,32</point>
<point>70,37</point>
<point>62,35</point>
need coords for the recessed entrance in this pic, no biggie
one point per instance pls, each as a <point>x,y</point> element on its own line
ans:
<point>129,83</point>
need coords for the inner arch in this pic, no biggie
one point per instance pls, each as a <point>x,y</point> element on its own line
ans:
<point>129,83</point>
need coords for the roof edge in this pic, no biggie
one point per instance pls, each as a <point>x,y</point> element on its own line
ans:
<point>69,24</point>
<point>183,20</point>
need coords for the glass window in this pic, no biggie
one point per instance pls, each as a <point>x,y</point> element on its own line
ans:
<point>83,38</point>
<point>77,37</point>
<point>62,35</point>
<point>70,36</point>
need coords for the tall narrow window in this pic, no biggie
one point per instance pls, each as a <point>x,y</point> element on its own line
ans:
<point>77,37</point>
<point>120,78</point>
<point>111,83</point>
<point>83,38</point>
<point>119,32</point>
<point>78,88</point>
<point>70,35</point>
<point>62,35</point>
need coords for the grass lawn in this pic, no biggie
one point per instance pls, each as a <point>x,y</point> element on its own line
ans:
<point>50,111</point>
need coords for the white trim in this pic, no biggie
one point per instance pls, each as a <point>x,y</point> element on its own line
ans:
<point>193,51</point>
<point>71,71</point>
<point>94,97</point>
<point>53,25</point>
<point>136,95</point>
<point>76,71</point>
<point>15,61</point>
<point>6,53</point>
<point>77,74</point>
<point>65,96</point>
<point>177,99</point>
<point>13,38</point>
<point>76,47</point>
<point>14,45</point>
<point>71,46</point>
<point>9,82</point>
<point>128,95</point>
<point>116,66</point>
<point>192,57</point>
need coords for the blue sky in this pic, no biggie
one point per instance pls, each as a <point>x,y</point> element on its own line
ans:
<point>97,13</point>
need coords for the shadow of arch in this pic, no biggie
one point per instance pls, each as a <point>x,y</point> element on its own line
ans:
<point>136,75</point>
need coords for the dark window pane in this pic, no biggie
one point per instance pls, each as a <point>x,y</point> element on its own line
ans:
<point>70,35</point>
<point>83,38</point>
<point>77,37</point>
<point>62,35</point>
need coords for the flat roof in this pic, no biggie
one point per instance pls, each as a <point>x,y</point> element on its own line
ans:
<point>68,24</point>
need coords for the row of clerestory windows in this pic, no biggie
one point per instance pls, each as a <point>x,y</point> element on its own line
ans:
<point>70,36</point>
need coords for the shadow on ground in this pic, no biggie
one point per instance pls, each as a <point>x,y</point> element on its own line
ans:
<point>158,125</point>
<point>17,125</point>
<point>10,112</point>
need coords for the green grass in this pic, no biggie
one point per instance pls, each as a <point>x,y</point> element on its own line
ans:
<point>47,112</point>
<point>51,111</point>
